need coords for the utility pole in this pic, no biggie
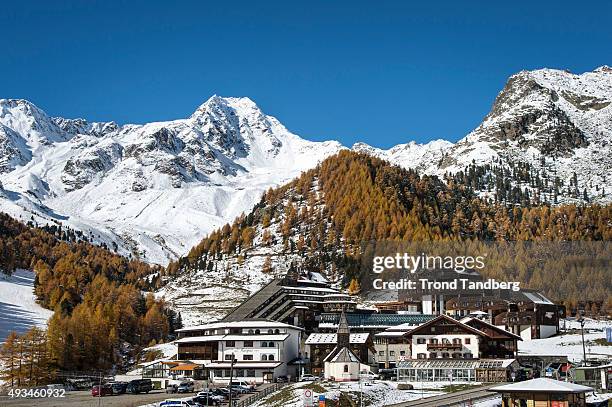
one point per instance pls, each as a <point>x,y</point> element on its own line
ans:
<point>360,392</point>
<point>231,392</point>
<point>582,322</point>
<point>100,390</point>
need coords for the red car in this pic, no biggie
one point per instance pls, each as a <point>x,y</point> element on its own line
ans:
<point>101,391</point>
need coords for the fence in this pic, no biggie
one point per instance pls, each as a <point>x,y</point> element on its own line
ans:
<point>260,395</point>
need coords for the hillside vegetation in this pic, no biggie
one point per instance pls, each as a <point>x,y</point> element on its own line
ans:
<point>327,214</point>
<point>101,316</point>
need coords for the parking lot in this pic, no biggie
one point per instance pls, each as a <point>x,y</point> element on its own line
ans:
<point>85,399</point>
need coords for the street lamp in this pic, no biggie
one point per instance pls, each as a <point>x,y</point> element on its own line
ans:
<point>582,322</point>
<point>231,391</point>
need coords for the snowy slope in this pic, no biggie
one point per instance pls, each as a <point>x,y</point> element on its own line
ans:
<point>154,189</point>
<point>558,122</point>
<point>569,342</point>
<point>18,308</point>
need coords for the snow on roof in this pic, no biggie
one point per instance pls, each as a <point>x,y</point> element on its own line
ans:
<point>391,334</point>
<point>191,339</point>
<point>345,355</point>
<point>243,365</point>
<point>542,385</point>
<point>320,338</point>
<point>321,289</point>
<point>240,324</point>
<point>466,321</point>
<point>537,298</point>
<point>494,363</point>
<point>255,337</point>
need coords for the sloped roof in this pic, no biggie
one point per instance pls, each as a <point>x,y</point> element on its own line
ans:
<point>448,319</point>
<point>345,355</point>
<point>322,338</point>
<point>476,321</point>
<point>542,385</point>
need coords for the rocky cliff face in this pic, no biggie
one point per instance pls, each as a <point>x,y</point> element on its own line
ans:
<point>157,188</point>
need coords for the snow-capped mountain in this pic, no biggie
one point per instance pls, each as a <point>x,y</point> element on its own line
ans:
<point>424,158</point>
<point>155,189</point>
<point>556,122</point>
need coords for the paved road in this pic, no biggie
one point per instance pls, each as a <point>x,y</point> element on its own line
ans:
<point>85,399</point>
<point>452,399</point>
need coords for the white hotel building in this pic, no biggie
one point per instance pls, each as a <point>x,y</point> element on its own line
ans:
<point>263,350</point>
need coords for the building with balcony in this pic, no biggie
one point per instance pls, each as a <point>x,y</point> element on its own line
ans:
<point>526,313</point>
<point>256,351</point>
<point>295,300</point>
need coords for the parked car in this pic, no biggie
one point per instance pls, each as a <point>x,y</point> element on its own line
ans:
<point>244,384</point>
<point>172,388</point>
<point>221,392</point>
<point>388,374</point>
<point>366,374</point>
<point>119,387</point>
<point>226,392</point>
<point>180,403</point>
<point>240,389</point>
<point>102,390</point>
<point>212,393</point>
<point>185,387</point>
<point>282,379</point>
<point>208,399</point>
<point>139,386</point>
<point>308,378</point>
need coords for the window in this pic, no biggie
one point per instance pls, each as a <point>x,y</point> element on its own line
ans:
<point>250,373</point>
<point>250,332</point>
<point>277,331</point>
<point>433,341</point>
<point>218,373</point>
<point>230,344</point>
<point>467,355</point>
<point>421,341</point>
<point>264,344</point>
<point>402,353</point>
<point>421,356</point>
<point>433,355</point>
<point>271,345</point>
<point>228,357</point>
<point>381,353</point>
<point>247,357</point>
<point>248,344</point>
<point>467,341</point>
<point>270,331</point>
<point>457,341</point>
<point>391,353</point>
<point>445,355</point>
<point>271,357</point>
<point>264,357</point>
<point>257,332</point>
<point>227,373</point>
<point>345,368</point>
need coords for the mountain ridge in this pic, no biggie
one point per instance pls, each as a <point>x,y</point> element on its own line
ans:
<point>154,189</point>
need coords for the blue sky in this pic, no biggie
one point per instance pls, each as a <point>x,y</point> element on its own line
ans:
<point>381,72</point>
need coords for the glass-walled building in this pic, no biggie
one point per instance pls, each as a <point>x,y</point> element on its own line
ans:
<point>437,370</point>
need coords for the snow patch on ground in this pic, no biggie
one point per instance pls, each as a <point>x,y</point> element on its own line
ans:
<point>569,342</point>
<point>18,308</point>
